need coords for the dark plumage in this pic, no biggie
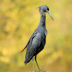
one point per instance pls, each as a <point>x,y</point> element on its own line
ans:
<point>37,41</point>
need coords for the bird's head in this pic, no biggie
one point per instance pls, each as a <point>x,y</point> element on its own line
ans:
<point>44,9</point>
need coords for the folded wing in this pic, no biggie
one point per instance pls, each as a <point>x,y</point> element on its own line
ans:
<point>33,47</point>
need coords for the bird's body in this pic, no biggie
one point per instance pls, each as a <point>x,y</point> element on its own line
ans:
<point>37,41</point>
<point>36,44</point>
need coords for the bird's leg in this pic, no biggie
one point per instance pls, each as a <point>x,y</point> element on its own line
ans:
<point>33,65</point>
<point>37,64</point>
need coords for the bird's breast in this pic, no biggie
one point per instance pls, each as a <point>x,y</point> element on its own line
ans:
<point>45,32</point>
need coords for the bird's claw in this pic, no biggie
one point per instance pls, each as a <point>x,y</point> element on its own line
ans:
<point>42,71</point>
<point>38,71</point>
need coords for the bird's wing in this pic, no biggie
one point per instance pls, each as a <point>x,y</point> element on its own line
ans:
<point>35,44</point>
<point>36,40</point>
<point>29,41</point>
<point>33,47</point>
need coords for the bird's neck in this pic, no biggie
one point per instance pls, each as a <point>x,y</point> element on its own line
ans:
<point>42,19</point>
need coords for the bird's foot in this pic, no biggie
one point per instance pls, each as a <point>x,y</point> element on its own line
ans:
<point>34,71</point>
<point>42,71</point>
<point>39,71</point>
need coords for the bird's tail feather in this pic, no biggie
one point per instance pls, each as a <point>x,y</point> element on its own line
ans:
<point>27,59</point>
<point>25,47</point>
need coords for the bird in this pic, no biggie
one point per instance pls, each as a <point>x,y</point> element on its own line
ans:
<point>37,41</point>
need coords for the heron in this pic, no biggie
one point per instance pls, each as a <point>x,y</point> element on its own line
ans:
<point>37,41</point>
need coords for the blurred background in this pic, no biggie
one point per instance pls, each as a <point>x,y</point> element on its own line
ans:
<point>19,19</point>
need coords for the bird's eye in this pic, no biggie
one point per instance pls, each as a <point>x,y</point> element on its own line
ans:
<point>48,9</point>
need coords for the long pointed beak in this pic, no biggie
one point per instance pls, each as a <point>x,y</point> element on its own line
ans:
<point>49,14</point>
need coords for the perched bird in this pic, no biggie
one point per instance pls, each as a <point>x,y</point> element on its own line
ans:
<point>37,41</point>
